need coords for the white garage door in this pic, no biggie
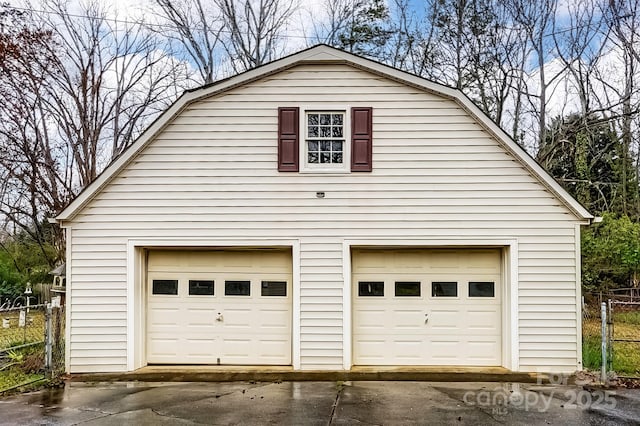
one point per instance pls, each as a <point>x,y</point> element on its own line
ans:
<point>427,307</point>
<point>219,307</point>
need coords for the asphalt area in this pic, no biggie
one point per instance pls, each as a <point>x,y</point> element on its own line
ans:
<point>320,403</point>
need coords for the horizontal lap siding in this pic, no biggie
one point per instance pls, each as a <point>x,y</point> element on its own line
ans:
<point>212,173</point>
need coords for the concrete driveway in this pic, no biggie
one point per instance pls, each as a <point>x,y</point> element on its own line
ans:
<point>322,403</point>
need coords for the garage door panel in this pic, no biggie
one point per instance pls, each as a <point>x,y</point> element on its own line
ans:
<point>409,319</point>
<point>445,351</point>
<point>198,347</point>
<point>485,321</point>
<point>278,320</point>
<point>253,328</point>
<point>440,262</point>
<point>200,318</point>
<point>266,351</point>
<point>235,318</point>
<point>484,351</point>
<point>422,327</point>
<point>164,346</point>
<point>371,351</point>
<point>409,349</point>
<point>164,316</point>
<point>445,319</point>
<point>370,319</point>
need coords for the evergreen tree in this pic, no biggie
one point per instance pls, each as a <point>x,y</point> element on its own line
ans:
<point>587,158</point>
<point>368,30</point>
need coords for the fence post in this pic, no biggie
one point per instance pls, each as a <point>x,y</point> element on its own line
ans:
<point>48,342</point>
<point>610,331</point>
<point>603,317</point>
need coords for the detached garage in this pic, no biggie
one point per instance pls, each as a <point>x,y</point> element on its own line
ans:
<point>324,212</point>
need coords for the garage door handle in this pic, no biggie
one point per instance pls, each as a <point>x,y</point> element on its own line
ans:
<point>219,317</point>
<point>426,318</point>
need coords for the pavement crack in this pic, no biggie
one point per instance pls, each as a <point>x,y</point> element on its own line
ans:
<point>94,418</point>
<point>452,396</point>
<point>158,413</point>
<point>335,403</point>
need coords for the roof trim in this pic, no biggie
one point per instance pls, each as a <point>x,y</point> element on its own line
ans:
<point>321,54</point>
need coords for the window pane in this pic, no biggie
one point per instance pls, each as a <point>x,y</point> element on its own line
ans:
<point>237,288</point>
<point>336,119</point>
<point>444,289</point>
<point>408,288</point>
<point>325,132</point>
<point>336,145</point>
<point>336,158</point>
<point>200,288</point>
<point>325,119</point>
<point>325,157</point>
<point>337,132</point>
<point>325,146</point>
<point>313,119</point>
<point>313,146</point>
<point>274,288</point>
<point>313,132</point>
<point>482,289</point>
<point>165,287</point>
<point>370,288</point>
<point>313,158</point>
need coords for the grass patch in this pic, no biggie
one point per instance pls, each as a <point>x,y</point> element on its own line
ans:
<point>14,376</point>
<point>631,317</point>
<point>591,352</point>
<point>15,335</point>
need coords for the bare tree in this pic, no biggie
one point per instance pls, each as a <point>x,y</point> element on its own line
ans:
<point>404,35</point>
<point>537,21</point>
<point>110,80</point>
<point>34,182</point>
<point>254,30</point>
<point>426,51</point>
<point>327,30</point>
<point>195,27</point>
<point>580,46</point>
<point>623,18</point>
<point>75,90</point>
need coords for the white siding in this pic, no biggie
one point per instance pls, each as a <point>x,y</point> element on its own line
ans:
<point>212,173</point>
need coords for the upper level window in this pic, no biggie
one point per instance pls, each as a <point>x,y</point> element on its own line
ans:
<point>324,139</point>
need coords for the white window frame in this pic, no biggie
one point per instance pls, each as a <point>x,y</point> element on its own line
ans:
<point>306,167</point>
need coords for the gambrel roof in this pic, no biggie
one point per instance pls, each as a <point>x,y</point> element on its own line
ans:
<point>323,54</point>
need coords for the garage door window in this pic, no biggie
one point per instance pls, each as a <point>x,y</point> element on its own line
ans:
<point>371,288</point>
<point>482,289</point>
<point>408,288</point>
<point>237,288</point>
<point>165,287</point>
<point>200,288</point>
<point>444,289</point>
<point>274,288</point>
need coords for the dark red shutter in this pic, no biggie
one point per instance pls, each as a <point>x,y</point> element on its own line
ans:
<point>361,140</point>
<point>288,140</point>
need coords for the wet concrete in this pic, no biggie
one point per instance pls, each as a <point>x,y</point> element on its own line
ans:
<point>224,373</point>
<point>320,403</point>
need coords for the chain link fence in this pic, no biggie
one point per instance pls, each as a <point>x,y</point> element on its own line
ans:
<point>591,333</point>
<point>31,345</point>
<point>621,333</point>
<point>623,337</point>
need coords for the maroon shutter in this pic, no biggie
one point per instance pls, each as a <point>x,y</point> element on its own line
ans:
<point>361,140</point>
<point>288,125</point>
